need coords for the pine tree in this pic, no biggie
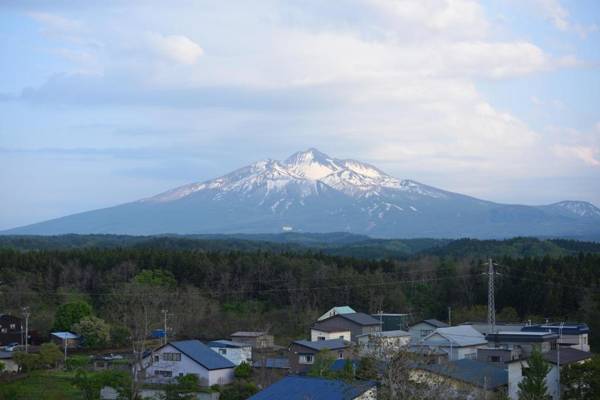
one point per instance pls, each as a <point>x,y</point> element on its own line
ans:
<point>533,385</point>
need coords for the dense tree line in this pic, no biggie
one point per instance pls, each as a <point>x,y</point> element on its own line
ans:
<point>213,293</point>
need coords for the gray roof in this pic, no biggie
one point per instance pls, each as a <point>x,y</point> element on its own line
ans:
<point>433,322</point>
<point>568,356</point>
<point>470,371</point>
<point>65,335</point>
<point>361,319</point>
<point>227,343</point>
<point>460,336</point>
<point>331,344</point>
<point>248,334</point>
<point>202,354</point>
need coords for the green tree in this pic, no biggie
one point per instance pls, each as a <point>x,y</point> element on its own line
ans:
<point>119,335</point>
<point>69,314</point>
<point>324,359</point>
<point>367,369</point>
<point>156,277</point>
<point>533,385</point>
<point>50,354</point>
<point>94,331</point>
<point>243,371</point>
<point>582,381</point>
<point>2,367</point>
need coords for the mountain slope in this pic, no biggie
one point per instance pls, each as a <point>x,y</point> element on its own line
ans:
<point>312,192</point>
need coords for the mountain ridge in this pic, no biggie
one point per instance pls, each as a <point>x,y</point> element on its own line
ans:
<point>313,192</point>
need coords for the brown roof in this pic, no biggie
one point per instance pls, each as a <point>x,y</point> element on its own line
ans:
<point>568,356</point>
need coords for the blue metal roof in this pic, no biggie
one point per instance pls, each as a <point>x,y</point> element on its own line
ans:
<point>302,388</point>
<point>65,335</point>
<point>227,344</point>
<point>202,354</point>
<point>567,329</point>
<point>470,371</point>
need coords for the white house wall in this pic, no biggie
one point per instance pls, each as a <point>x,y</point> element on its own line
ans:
<point>315,333</point>
<point>236,355</point>
<point>187,366</point>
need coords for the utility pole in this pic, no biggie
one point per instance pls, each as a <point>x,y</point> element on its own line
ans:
<point>26,314</point>
<point>449,316</point>
<point>558,357</point>
<point>164,311</point>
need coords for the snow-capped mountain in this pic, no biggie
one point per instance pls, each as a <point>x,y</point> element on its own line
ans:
<point>313,192</point>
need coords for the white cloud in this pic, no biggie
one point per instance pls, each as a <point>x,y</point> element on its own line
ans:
<point>559,16</point>
<point>177,48</point>
<point>588,154</point>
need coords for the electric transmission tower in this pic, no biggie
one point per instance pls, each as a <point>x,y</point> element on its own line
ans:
<point>491,273</point>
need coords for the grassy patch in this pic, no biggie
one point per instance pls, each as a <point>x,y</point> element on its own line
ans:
<point>48,385</point>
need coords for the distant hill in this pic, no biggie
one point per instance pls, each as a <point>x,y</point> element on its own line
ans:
<point>335,244</point>
<point>313,192</point>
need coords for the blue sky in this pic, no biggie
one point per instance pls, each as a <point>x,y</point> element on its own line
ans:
<point>107,102</point>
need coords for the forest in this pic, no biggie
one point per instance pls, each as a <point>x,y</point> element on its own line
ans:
<point>211,290</point>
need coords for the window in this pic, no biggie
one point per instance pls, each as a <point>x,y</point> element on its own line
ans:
<point>171,356</point>
<point>165,374</point>
<point>341,337</point>
<point>222,351</point>
<point>553,346</point>
<point>156,358</point>
<point>471,356</point>
<point>12,326</point>
<point>320,337</point>
<point>494,359</point>
<point>4,330</point>
<point>306,359</point>
<point>425,332</point>
<point>341,355</point>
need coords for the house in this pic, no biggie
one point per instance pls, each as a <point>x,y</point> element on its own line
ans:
<point>423,328</point>
<point>356,323</point>
<point>258,340</point>
<point>382,343</point>
<point>302,352</point>
<point>235,352</point>
<point>524,342</point>
<point>568,356</point>
<point>464,378</point>
<point>336,311</point>
<point>11,329</point>
<point>303,387</point>
<point>328,332</point>
<point>459,341</point>
<point>498,355</point>
<point>573,335</point>
<point>66,339</point>
<point>180,358</point>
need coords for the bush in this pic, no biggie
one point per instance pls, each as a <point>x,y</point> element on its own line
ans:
<point>77,362</point>
<point>243,371</point>
<point>27,362</point>
<point>50,355</point>
<point>238,391</point>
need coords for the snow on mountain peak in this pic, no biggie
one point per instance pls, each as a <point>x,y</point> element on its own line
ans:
<point>303,169</point>
<point>581,208</point>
